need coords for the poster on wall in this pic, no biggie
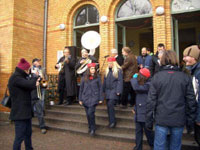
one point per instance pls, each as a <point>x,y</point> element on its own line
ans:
<point>59,54</point>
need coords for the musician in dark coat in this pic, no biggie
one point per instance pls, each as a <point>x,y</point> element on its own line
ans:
<point>119,58</point>
<point>90,95</point>
<point>112,87</point>
<point>66,79</point>
<point>21,110</point>
<point>81,61</point>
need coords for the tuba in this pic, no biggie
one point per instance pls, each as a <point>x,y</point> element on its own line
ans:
<point>83,67</point>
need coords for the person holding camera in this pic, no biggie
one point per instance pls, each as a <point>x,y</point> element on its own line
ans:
<point>20,88</point>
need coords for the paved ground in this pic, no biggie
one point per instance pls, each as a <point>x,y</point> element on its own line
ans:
<point>57,140</point>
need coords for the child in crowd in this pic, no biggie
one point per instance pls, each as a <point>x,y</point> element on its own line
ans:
<point>90,95</point>
<point>141,84</point>
<point>112,87</point>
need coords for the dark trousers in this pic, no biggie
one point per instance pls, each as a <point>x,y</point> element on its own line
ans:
<point>23,132</point>
<point>111,110</point>
<point>127,89</point>
<point>90,112</point>
<point>197,134</point>
<point>140,126</point>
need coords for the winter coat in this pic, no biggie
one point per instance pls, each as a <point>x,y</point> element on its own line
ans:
<point>129,67</point>
<point>68,79</point>
<point>91,92</point>
<point>154,65</point>
<point>112,85</point>
<point>141,99</point>
<point>145,61</point>
<point>20,91</point>
<point>171,99</point>
<point>120,60</point>
<point>195,70</point>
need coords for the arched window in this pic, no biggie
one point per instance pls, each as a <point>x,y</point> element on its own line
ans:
<point>87,15</point>
<point>185,5</point>
<point>134,8</point>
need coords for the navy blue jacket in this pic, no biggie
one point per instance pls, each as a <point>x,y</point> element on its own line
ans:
<point>146,61</point>
<point>112,85</point>
<point>195,70</point>
<point>171,99</point>
<point>141,99</point>
<point>91,92</point>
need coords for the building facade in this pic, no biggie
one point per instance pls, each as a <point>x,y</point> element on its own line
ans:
<point>133,23</point>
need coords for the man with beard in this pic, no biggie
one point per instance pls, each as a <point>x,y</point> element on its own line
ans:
<point>144,60</point>
<point>66,79</point>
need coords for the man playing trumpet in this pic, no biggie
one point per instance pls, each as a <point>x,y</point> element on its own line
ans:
<point>66,77</point>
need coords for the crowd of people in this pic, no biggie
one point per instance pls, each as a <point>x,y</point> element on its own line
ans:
<point>160,92</point>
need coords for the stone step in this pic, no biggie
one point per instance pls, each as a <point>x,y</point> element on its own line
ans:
<point>82,116</point>
<point>100,109</point>
<point>102,132</point>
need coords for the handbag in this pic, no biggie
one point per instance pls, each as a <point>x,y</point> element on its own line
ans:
<point>6,101</point>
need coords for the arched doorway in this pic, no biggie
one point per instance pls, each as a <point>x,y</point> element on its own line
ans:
<point>134,25</point>
<point>87,18</point>
<point>186,24</point>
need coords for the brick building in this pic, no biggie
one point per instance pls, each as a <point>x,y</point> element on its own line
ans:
<point>135,23</point>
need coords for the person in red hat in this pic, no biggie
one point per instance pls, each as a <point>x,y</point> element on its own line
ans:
<point>90,95</point>
<point>20,88</point>
<point>140,83</point>
<point>112,87</point>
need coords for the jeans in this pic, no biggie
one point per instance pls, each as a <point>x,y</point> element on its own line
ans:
<point>140,126</point>
<point>90,112</point>
<point>111,110</point>
<point>161,132</point>
<point>23,132</point>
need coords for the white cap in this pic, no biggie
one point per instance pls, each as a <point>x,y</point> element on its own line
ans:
<point>84,51</point>
<point>114,51</point>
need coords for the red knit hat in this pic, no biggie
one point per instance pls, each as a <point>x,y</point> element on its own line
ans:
<point>145,72</point>
<point>23,64</point>
<point>91,65</point>
<point>111,59</point>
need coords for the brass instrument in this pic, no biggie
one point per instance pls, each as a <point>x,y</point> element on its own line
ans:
<point>83,67</point>
<point>39,95</point>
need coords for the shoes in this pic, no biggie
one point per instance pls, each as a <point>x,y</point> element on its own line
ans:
<point>123,106</point>
<point>112,125</point>
<point>43,131</point>
<point>59,103</point>
<point>67,103</point>
<point>92,133</point>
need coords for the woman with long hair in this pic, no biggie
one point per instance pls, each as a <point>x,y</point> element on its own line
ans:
<point>90,95</point>
<point>140,83</point>
<point>112,87</point>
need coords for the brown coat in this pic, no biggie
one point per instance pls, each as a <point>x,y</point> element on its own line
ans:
<point>129,67</point>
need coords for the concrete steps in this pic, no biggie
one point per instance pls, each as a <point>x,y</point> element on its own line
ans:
<point>72,118</point>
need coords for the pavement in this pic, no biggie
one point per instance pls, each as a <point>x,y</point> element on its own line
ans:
<point>59,140</point>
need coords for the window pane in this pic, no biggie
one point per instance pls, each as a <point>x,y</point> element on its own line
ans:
<point>180,5</point>
<point>88,15</point>
<point>81,18</point>
<point>93,15</point>
<point>134,7</point>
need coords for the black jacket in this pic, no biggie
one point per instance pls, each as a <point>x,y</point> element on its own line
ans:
<point>20,91</point>
<point>154,65</point>
<point>120,60</point>
<point>171,99</point>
